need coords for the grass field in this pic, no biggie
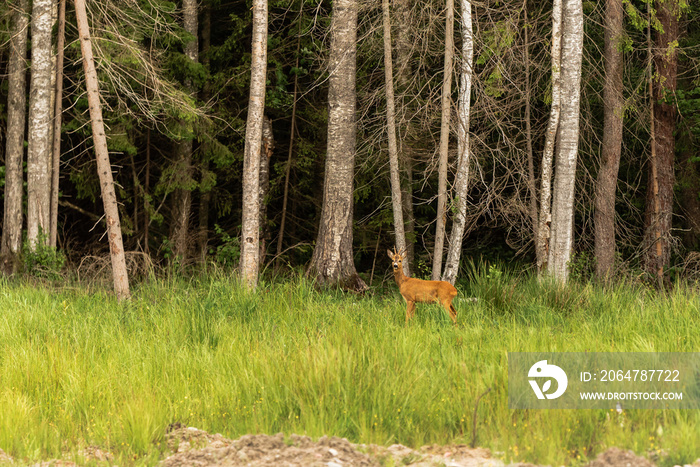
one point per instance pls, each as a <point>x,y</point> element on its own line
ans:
<point>78,369</point>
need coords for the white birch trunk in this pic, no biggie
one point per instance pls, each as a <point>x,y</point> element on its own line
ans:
<point>396,201</point>
<point>14,149</point>
<point>444,140</point>
<point>58,120</point>
<point>250,244</point>
<point>39,148</point>
<point>561,242</point>
<point>543,230</point>
<point>454,249</point>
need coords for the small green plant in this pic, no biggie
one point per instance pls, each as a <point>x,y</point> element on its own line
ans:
<point>229,252</point>
<point>582,266</point>
<point>43,260</point>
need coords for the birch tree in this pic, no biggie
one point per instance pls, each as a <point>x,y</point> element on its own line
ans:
<point>545,215</point>
<point>14,148</point>
<point>250,245</point>
<point>332,261</point>
<point>612,142</point>
<point>567,141</point>
<point>58,120</point>
<point>396,203</point>
<point>104,168</point>
<point>39,130</point>
<point>454,249</point>
<point>444,140</point>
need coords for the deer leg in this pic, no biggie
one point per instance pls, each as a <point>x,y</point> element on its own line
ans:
<point>447,303</point>
<point>410,308</point>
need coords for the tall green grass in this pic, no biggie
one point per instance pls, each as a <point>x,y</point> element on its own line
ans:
<point>80,369</point>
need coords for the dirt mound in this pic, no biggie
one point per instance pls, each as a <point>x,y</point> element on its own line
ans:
<point>616,457</point>
<point>261,450</point>
<point>193,447</point>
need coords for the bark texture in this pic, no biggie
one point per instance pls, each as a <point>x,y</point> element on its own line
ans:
<point>396,203</point>
<point>58,120</point>
<point>250,244</point>
<point>659,203</point>
<point>182,196</point>
<point>542,242</point>
<point>14,148</point>
<point>612,142</point>
<point>39,130</point>
<point>561,242</point>
<point>104,168</point>
<point>444,140</point>
<point>332,261</point>
<point>407,130</point>
<point>454,249</point>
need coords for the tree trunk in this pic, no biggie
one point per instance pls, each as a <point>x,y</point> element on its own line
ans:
<point>14,149</point>
<point>454,250</point>
<point>250,244</point>
<point>612,143</point>
<point>267,147</point>
<point>332,261</point>
<point>182,195</point>
<point>404,75</point>
<point>444,140</point>
<point>104,168</point>
<point>567,141</point>
<point>204,188</point>
<point>39,148</point>
<point>659,204</point>
<point>542,242</point>
<point>58,114</point>
<point>396,204</point>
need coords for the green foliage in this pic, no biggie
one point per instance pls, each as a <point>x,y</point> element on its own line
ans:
<point>42,261</point>
<point>228,253</point>
<point>582,266</point>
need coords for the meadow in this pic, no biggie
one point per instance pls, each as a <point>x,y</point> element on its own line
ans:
<point>79,369</point>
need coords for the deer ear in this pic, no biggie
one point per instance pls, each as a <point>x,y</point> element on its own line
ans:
<point>388,252</point>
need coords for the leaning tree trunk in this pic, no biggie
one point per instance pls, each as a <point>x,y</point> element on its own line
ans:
<point>396,204</point>
<point>567,141</point>
<point>332,261</point>
<point>659,204</point>
<point>250,245</point>
<point>39,130</point>
<point>444,140</point>
<point>182,195</point>
<point>542,241</point>
<point>58,120</point>
<point>454,250</point>
<point>104,168</point>
<point>14,149</point>
<point>612,143</point>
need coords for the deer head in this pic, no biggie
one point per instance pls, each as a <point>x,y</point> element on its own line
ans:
<point>397,258</point>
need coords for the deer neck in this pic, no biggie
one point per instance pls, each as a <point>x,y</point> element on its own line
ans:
<point>399,276</point>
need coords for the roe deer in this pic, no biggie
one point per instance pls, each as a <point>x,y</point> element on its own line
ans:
<point>417,290</point>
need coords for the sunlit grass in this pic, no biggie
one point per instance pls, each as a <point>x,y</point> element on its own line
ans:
<point>79,369</point>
